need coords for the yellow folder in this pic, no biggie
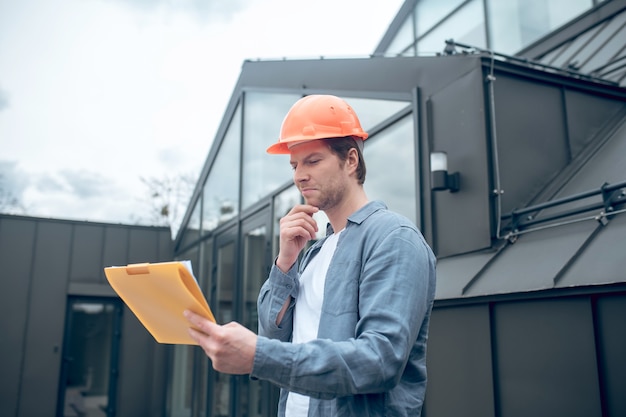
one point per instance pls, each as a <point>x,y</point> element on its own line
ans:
<point>158,293</point>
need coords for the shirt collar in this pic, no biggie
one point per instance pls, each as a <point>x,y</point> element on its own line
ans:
<point>361,214</point>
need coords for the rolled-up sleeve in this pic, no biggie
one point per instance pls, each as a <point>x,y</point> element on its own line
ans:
<point>274,292</point>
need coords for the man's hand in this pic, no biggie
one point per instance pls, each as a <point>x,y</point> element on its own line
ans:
<point>296,228</point>
<point>230,347</point>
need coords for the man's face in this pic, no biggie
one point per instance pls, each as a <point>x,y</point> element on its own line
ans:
<point>319,174</point>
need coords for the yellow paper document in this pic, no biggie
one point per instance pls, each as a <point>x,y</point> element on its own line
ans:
<point>158,293</point>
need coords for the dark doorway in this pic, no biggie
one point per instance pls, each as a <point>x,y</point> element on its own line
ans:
<point>90,353</point>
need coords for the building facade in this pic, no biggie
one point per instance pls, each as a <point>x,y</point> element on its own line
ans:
<point>529,137</point>
<point>527,102</point>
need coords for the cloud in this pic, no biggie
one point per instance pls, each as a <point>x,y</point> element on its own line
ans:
<point>4,100</point>
<point>12,179</point>
<point>71,192</point>
<point>136,89</point>
<point>175,156</point>
<point>85,184</point>
<point>13,183</point>
<point>80,194</point>
<point>200,9</point>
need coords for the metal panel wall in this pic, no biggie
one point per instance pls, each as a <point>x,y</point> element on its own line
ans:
<point>46,320</point>
<point>86,256</point>
<point>586,116</point>
<point>115,247</point>
<point>531,137</point>
<point>462,219</point>
<point>143,246</point>
<point>459,363</point>
<point>530,356</point>
<point>611,312</point>
<point>546,358</point>
<point>16,247</point>
<point>42,262</point>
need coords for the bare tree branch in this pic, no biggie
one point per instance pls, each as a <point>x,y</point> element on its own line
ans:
<point>166,199</point>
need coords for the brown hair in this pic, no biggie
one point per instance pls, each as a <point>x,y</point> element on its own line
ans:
<point>341,147</point>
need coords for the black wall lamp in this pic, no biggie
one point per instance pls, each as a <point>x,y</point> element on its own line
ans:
<point>440,180</point>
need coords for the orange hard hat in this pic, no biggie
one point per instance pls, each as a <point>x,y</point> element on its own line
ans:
<point>317,117</point>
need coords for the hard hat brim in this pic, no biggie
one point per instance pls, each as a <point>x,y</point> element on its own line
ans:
<point>282,147</point>
<point>278,149</point>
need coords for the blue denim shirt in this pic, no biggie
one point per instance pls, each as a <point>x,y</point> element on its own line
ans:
<point>370,355</point>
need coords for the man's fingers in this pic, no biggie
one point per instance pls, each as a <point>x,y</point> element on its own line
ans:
<point>299,228</point>
<point>196,335</point>
<point>201,330</point>
<point>296,228</point>
<point>298,223</point>
<point>303,208</point>
<point>199,322</point>
<point>230,347</point>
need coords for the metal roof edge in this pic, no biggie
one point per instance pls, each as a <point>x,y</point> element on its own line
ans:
<point>570,291</point>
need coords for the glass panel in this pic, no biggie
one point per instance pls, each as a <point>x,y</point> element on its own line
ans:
<point>221,191</point>
<point>88,358</point>
<point>184,386</point>
<point>192,228</point>
<point>202,361</point>
<point>395,186</point>
<point>403,39</point>
<point>182,376</point>
<point>283,202</point>
<point>254,274</point>
<point>183,364</point>
<point>224,314</point>
<point>429,12</point>
<point>373,112</point>
<point>263,116</point>
<point>225,282</point>
<point>207,283</point>
<point>515,24</point>
<point>467,26</point>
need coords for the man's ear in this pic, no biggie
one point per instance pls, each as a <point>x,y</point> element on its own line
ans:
<point>353,158</point>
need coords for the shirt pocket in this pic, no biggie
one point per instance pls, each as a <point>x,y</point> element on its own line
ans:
<point>341,289</point>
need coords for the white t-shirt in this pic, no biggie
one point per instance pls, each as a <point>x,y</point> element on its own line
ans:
<point>307,311</point>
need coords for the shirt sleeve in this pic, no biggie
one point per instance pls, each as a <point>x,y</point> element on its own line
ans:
<point>272,296</point>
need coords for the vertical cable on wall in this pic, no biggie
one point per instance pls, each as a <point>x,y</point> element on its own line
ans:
<point>497,191</point>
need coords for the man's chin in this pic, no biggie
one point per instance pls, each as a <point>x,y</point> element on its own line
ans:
<point>311,202</point>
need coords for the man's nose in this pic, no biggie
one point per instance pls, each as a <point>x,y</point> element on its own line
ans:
<point>300,174</point>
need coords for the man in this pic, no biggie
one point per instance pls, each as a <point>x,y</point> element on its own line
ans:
<point>343,331</point>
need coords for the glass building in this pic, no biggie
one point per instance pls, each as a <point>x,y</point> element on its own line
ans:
<point>508,27</point>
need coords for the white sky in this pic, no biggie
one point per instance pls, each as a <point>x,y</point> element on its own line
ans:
<point>96,94</point>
